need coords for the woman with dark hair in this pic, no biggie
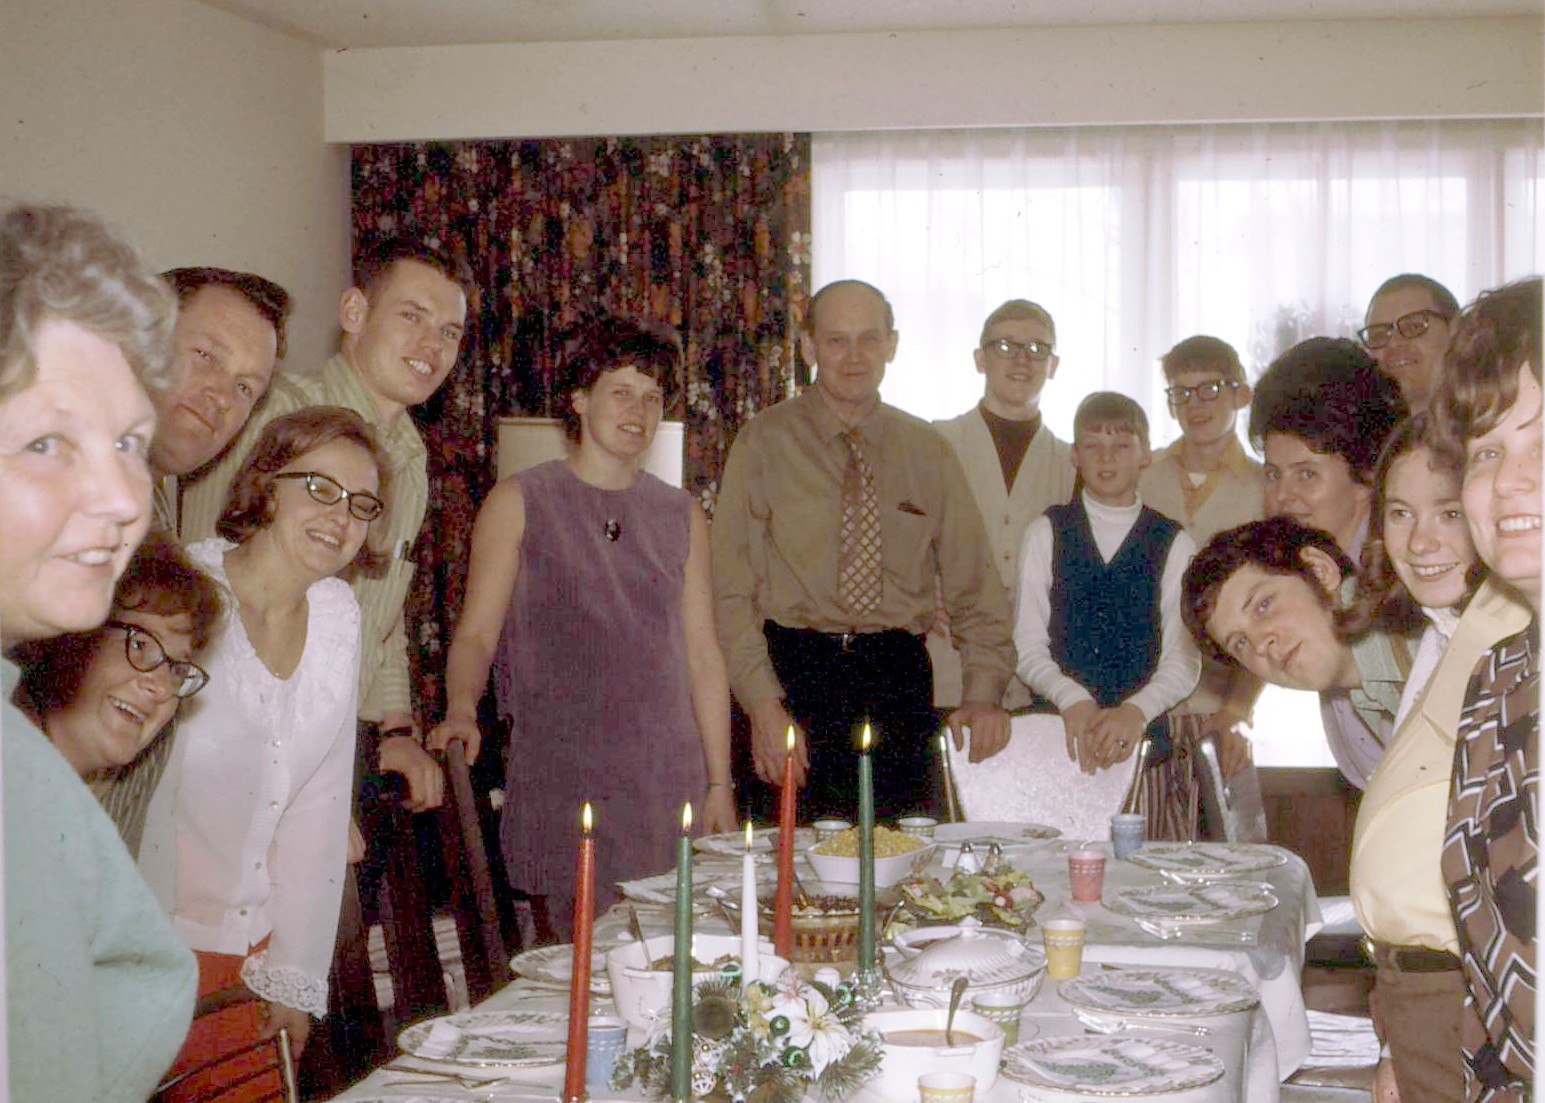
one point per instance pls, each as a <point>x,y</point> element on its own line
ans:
<point>246,837</point>
<point>104,697</point>
<point>590,580</point>
<point>1419,564</point>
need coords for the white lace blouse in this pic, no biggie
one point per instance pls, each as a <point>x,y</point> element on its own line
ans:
<point>247,835</point>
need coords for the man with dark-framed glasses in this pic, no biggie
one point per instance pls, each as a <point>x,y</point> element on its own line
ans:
<point>1406,332</point>
<point>1014,464</point>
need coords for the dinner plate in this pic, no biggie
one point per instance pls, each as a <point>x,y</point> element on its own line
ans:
<point>764,842</point>
<point>1211,902</point>
<point>555,964</point>
<point>1204,860</point>
<point>515,1039</point>
<point>1173,992</point>
<point>707,869</point>
<point>1111,1065</point>
<point>981,832</point>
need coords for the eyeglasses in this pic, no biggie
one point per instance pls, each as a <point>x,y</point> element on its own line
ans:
<point>362,506</point>
<point>1207,392</point>
<point>1410,326</point>
<point>145,654</point>
<point>1030,350</point>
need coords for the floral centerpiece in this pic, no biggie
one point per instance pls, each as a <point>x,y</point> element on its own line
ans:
<point>768,1044</point>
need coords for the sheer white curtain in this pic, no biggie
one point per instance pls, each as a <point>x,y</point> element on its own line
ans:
<point>1137,237</point>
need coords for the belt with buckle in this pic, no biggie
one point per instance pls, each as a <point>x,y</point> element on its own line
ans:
<point>1410,959</point>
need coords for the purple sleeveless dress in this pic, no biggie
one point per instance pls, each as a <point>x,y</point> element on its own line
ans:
<point>592,667</point>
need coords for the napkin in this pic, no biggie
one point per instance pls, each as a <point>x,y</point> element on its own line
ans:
<point>1341,1041</point>
<point>441,1042</point>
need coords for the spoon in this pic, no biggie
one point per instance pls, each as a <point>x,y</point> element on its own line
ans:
<point>957,990</point>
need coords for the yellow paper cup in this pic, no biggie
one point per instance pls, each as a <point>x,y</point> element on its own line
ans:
<point>946,1087</point>
<point>1064,947</point>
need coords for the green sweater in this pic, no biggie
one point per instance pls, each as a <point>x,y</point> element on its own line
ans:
<point>99,987</point>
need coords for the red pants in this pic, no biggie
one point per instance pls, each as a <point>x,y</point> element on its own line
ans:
<point>214,1044</point>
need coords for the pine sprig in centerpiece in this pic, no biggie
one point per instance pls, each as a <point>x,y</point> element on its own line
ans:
<point>769,1044</point>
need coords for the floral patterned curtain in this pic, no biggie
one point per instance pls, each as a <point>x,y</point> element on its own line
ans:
<point>710,235</point>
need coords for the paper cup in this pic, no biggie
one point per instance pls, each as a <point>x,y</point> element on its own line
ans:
<point>1086,875</point>
<point>1064,940</point>
<point>1003,1008</point>
<point>946,1087</point>
<point>606,1038</point>
<point>919,827</point>
<point>829,829</point>
<point>1126,832</point>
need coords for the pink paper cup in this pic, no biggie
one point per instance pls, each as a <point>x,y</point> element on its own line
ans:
<point>1086,875</point>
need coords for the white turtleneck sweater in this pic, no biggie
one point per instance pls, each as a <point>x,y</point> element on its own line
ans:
<point>1179,664</point>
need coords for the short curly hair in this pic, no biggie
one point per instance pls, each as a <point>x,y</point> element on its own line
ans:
<point>1328,392</point>
<point>63,264</point>
<point>1275,545</point>
<point>610,343</point>
<point>159,579</point>
<point>249,506</point>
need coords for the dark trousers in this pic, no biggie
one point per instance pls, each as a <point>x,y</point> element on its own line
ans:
<point>832,685</point>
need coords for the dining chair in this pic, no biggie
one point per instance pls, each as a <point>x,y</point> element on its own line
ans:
<point>232,1075</point>
<point>474,901</point>
<point>1232,808</point>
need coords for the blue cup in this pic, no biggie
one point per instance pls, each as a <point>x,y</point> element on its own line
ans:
<point>606,1039</point>
<point>1127,830</point>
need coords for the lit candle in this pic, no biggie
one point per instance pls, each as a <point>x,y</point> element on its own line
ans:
<point>783,902</point>
<point>681,965</point>
<point>865,853</point>
<point>750,963</point>
<point>579,985</point>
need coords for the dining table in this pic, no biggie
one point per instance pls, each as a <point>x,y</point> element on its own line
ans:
<point>1257,1046</point>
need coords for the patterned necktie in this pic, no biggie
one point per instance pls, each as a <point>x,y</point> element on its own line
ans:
<point>858,557</point>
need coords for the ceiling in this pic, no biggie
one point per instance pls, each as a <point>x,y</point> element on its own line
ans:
<point>366,23</point>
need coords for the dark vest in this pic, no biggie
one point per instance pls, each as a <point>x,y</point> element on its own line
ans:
<point>1105,626</point>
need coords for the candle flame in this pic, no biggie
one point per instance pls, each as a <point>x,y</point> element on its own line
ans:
<point>586,818</point>
<point>686,817</point>
<point>866,738</point>
<point>750,835</point>
<point>789,739</point>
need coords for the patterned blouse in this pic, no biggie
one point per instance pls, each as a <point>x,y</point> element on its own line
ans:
<point>1491,866</point>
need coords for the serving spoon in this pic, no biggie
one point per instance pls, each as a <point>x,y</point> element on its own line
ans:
<point>957,990</point>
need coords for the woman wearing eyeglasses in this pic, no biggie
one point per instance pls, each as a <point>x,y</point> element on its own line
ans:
<point>246,838</point>
<point>103,697</point>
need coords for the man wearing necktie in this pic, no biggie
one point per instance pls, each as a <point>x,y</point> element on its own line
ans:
<point>837,518</point>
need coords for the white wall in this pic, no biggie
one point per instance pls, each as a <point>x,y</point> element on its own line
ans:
<point>1047,76</point>
<point>196,132</point>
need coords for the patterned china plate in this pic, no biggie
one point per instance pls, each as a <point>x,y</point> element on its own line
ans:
<point>1111,1065</point>
<point>511,1038</point>
<point>707,869</point>
<point>764,842</point>
<point>555,965</point>
<point>981,832</point>
<point>1176,992</point>
<point>1212,902</point>
<point>1203,860</point>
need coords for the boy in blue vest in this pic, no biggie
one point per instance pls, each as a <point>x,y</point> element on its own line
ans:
<point>1098,630</point>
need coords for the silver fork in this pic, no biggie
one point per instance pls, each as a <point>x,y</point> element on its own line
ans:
<point>1113,1026</point>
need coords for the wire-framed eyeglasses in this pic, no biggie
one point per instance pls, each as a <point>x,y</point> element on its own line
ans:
<point>1207,392</point>
<point>1030,350</point>
<point>362,506</point>
<point>146,653</point>
<point>1410,326</point>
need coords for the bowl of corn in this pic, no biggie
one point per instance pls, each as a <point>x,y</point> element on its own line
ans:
<point>835,861</point>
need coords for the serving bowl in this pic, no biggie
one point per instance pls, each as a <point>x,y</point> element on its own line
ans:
<point>903,1064</point>
<point>842,872</point>
<point>917,939</point>
<point>989,962</point>
<point>643,995</point>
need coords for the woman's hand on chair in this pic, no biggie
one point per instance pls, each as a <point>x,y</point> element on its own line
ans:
<point>296,1023</point>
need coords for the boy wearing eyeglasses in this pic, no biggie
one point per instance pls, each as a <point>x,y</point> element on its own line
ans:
<point>1406,332</point>
<point>1014,464</point>
<point>1207,483</point>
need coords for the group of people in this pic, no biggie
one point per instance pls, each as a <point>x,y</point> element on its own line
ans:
<point>220,684</point>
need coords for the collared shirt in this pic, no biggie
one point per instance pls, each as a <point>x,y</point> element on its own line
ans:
<point>776,536</point>
<point>383,668</point>
<point>1397,877</point>
<point>1360,722</point>
<point>1232,494</point>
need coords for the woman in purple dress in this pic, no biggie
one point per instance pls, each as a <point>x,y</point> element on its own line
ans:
<point>589,589</point>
